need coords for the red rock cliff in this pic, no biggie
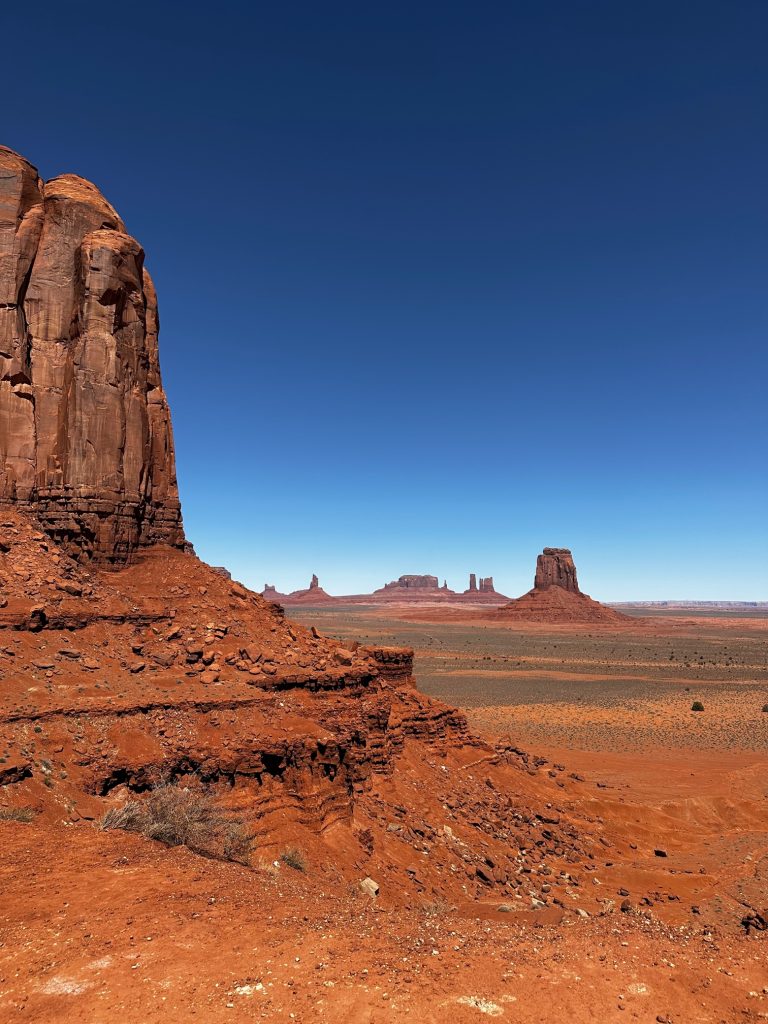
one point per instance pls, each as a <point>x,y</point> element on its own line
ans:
<point>85,431</point>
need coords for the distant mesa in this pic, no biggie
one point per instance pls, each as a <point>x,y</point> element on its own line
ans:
<point>412,583</point>
<point>313,594</point>
<point>486,586</point>
<point>407,589</point>
<point>556,596</point>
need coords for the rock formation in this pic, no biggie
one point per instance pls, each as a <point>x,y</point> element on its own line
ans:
<point>407,589</point>
<point>313,594</point>
<point>556,597</point>
<point>85,431</point>
<point>481,591</point>
<point>555,568</point>
<point>411,582</point>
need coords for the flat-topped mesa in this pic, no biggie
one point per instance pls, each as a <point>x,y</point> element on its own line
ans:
<point>555,568</point>
<point>411,582</point>
<point>486,585</point>
<point>85,439</point>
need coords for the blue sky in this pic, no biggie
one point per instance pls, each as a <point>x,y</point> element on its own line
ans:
<point>440,284</point>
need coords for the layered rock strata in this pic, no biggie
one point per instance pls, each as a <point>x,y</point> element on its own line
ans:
<point>85,431</point>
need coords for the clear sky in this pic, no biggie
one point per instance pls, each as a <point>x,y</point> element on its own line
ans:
<point>440,283</point>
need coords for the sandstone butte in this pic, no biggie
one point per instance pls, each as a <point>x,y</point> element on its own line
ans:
<point>127,663</point>
<point>86,440</point>
<point>556,597</point>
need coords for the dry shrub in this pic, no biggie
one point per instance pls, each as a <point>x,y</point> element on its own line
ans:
<point>437,907</point>
<point>16,814</point>
<point>294,858</point>
<point>179,817</point>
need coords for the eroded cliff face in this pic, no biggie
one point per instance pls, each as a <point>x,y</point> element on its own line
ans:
<point>85,431</point>
<point>555,568</point>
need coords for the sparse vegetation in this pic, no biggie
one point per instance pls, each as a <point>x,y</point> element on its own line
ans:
<point>181,817</point>
<point>697,706</point>
<point>294,858</point>
<point>16,814</point>
<point>437,907</point>
<point>765,708</point>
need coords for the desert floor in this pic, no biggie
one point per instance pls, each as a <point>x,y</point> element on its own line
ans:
<point>144,933</point>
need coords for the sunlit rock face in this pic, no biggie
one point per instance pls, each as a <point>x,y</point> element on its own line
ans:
<point>85,430</point>
<point>555,568</point>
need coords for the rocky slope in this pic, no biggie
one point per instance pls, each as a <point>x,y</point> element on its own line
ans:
<point>115,682</point>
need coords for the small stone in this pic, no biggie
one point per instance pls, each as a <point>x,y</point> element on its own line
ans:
<point>369,887</point>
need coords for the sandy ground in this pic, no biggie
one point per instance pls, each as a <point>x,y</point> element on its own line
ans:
<point>174,937</point>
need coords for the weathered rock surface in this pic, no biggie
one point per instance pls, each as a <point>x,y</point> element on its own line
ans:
<point>85,431</point>
<point>555,568</point>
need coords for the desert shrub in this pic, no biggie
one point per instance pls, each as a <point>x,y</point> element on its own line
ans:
<point>16,814</point>
<point>436,908</point>
<point>294,858</point>
<point>179,817</point>
<point>765,708</point>
<point>697,706</point>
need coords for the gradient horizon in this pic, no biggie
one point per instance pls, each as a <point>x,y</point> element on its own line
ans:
<point>441,285</point>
